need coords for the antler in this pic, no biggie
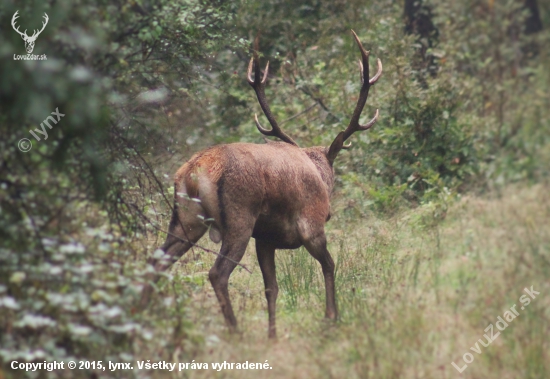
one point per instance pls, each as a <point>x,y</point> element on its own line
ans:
<point>35,34</point>
<point>354,124</point>
<point>259,87</point>
<point>15,16</point>
<point>44,23</point>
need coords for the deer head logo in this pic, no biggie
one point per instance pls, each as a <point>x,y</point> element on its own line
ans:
<point>29,40</point>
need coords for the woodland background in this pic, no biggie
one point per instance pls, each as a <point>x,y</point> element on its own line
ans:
<point>441,212</point>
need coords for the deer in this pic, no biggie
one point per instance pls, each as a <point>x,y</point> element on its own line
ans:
<point>277,193</point>
<point>29,40</point>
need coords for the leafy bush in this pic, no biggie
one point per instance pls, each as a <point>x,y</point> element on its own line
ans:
<point>73,224</point>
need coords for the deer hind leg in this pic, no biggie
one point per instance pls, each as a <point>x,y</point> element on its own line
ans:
<point>317,247</point>
<point>266,258</point>
<point>234,244</point>
<point>185,229</point>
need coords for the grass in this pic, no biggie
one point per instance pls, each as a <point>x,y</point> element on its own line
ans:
<point>413,297</point>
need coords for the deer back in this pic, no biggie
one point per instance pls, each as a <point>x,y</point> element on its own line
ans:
<point>276,187</point>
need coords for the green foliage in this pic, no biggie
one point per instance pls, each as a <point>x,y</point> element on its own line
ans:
<point>504,81</point>
<point>438,131</point>
<point>423,141</point>
<point>75,208</point>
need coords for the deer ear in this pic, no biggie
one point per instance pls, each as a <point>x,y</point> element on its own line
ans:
<point>335,147</point>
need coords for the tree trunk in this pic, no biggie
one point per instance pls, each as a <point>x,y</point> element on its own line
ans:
<point>418,22</point>
<point>533,23</point>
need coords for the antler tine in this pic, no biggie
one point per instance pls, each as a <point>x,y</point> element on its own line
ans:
<point>259,87</point>
<point>44,23</point>
<point>370,123</point>
<point>364,55</point>
<point>354,124</point>
<point>13,19</point>
<point>249,72</point>
<point>263,130</point>
<point>375,78</point>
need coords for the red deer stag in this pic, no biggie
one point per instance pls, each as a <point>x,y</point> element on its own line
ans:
<point>277,193</point>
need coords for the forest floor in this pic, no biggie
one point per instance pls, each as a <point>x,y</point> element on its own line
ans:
<point>413,298</point>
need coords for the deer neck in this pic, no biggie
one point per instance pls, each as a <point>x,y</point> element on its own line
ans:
<point>318,156</point>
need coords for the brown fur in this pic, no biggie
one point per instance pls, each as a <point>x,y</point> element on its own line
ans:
<point>277,193</point>
<point>208,161</point>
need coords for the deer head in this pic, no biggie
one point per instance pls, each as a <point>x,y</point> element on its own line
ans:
<point>29,40</point>
<point>277,193</point>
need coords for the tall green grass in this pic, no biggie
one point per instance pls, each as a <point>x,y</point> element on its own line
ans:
<point>412,298</point>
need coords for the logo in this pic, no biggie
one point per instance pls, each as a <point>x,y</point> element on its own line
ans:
<point>29,40</point>
<point>25,144</point>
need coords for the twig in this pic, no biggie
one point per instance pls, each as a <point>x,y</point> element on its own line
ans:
<point>299,114</point>
<point>198,246</point>
<point>193,244</point>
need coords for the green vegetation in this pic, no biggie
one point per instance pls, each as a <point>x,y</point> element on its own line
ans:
<point>440,214</point>
<point>413,298</point>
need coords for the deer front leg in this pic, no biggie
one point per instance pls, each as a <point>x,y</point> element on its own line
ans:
<point>317,247</point>
<point>266,259</point>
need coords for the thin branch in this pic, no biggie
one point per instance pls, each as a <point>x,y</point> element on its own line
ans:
<point>189,242</point>
<point>306,90</point>
<point>301,113</point>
